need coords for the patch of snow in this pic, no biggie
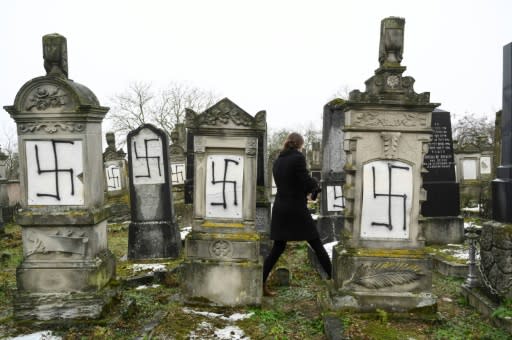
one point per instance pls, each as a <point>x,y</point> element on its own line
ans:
<point>462,254</point>
<point>234,317</point>
<point>314,216</point>
<point>328,248</point>
<point>455,245</point>
<point>154,267</point>
<point>203,326</point>
<point>44,335</point>
<point>447,299</point>
<point>230,332</point>
<point>185,231</point>
<point>472,209</point>
<point>146,287</point>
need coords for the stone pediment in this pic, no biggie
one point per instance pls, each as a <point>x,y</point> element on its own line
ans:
<point>51,94</point>
<point>225,114</point>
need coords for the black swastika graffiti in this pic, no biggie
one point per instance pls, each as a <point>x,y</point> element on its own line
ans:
<point>390,195</point>
<point>224,181</point>
<point>177,174</point>
<point>113,177</point>
<point>147,157</point>
<point>336,196</point>
<point>55,170</point>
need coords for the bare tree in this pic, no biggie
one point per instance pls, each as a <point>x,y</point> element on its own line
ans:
<point>10,148</point>
<point>276,138</point>
<point>471,129</point>
<point>140,104</point>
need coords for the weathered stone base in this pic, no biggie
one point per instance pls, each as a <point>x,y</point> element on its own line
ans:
<point>58,275</point>
<point>395,280</point>
<point>391,302</point>
<point>54,306</point>
<point>443,230</point>
<point>330,227</point>
<point>153,239</point>
<point>217,283</point>
<point>449,268</point>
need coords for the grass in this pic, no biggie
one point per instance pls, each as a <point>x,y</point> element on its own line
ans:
<point>157,313</point>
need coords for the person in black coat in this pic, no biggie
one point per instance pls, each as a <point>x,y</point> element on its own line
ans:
<point>291,220</point>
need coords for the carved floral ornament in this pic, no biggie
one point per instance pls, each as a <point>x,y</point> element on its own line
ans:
<point>51,127</point>
<point>46,97</point>
<point>391,141</point>
<point>221,248</point>
<point>390,119</point>
<point>385,274</point>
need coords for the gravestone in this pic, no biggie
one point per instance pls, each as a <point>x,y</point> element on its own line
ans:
<point>314,160</point>
<point>442,223</point>
<point>153,232</point>
<point>502,185</point>
<point>332,202</point>
<point>223,265</point>
<point>380,262</point>
<point>66,262</point>
<point>178,160</point>
<point>116,180</point>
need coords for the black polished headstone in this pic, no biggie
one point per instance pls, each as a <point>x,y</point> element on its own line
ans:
<point>443,197</point>
<point>502,185</point>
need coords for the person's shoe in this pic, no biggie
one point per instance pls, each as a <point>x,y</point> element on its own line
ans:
<point>267,291</point>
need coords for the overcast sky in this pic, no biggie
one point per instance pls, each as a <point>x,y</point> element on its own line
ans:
<point>285,57</point>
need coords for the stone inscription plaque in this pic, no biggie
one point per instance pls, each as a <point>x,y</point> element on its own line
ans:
<point>485,165</point>
<point>387,200</point>
<point>178,173</point>
<point>113,176</point>
<point>335,198</point>
<point>54,172</point>
<point>469,168</point>
<point>439,160</point>
<point>224,179</point>
<point>147,158</point>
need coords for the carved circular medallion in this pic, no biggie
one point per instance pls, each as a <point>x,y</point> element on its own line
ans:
<point>393,81</point>
<point>221,248</point>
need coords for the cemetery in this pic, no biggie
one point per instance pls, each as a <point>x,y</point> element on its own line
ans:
<point>168,239</point>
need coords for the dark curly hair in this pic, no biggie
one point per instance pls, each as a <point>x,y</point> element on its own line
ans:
<point>293,141</point>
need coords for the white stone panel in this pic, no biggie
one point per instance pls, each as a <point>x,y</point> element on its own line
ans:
<point>147,158</point>
<point>224,179</point>
<point>178,174</point>
<point>469,169</point>
<point>54,172</point>
<point>387,200</point>
<point>113,176</point>
<point>335,199</point>
<point>485,165</point>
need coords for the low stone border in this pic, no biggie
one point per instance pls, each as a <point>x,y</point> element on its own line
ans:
<point>485,307</point>
<point>447,268</point>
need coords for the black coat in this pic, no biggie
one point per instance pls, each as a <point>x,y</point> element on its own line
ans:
<point>291,220</point>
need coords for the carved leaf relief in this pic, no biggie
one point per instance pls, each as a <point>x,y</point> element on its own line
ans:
<point>385,275</point>
<point>51,127</point>
<point>46,97</point>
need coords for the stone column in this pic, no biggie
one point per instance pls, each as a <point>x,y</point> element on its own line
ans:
<point>502,185</point>
<point>66,262</point>
<point>381,262</point>
<point>153,232</point>
<point>3,182</point>
<point>223,265</point>
<point>177,158</point>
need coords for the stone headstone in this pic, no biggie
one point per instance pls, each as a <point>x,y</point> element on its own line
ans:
<point>387,130</point>
<point>178,162</point>
<point>442,223</point>
<point>502,185</point>
<point>223,265</point>
<point>116,180</point>
<point>332,202</point>
<point>153,232</point>
<point>66,262</point>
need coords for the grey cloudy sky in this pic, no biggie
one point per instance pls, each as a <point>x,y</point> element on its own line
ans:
<point>285,57</point>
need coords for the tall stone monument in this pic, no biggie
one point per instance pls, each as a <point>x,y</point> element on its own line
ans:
<point>223,265</point>
<point>153,232</point>
<point>178,160</point>
<point>332,203</point>
<point>66,262</point>
<point>116,180</point>
<point>380,262</point>
<point>502,185</point>
<point>3,181</point>
<point>442,222</point>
